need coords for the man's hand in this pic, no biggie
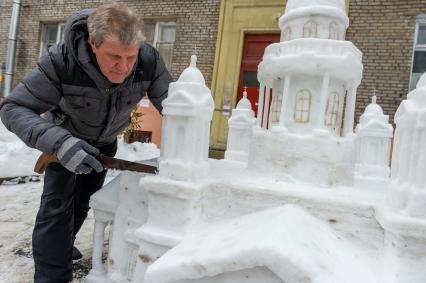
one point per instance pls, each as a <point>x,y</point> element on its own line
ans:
<point>78,156</point>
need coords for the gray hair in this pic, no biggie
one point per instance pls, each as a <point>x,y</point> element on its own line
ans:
<point>115,22</point>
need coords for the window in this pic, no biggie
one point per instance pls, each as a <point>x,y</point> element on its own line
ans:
<point>332,110</point>
<point>286,35</point>
<point>275,111</point>
<point>51,34</point>
<point>419,52</point>
<point>162,36</point>
<point>310,29</point>
<point>334,31</point>
<point>303,106</point>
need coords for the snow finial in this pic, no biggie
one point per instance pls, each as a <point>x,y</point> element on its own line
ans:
<point>245,92</point>
<point>193,61</point>
<point>374,97</point>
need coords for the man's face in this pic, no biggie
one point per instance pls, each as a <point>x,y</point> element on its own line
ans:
<point>115,60</point>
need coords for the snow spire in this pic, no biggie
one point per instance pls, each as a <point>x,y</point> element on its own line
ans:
<point>193,61</point>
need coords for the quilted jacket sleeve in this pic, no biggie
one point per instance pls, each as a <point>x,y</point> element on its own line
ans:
<point>38,92</point>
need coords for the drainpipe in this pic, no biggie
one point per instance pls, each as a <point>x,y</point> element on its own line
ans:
<point>11,47</point>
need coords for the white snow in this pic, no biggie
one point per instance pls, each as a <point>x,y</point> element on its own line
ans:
<point>280,239</point>
<point>16,159</point>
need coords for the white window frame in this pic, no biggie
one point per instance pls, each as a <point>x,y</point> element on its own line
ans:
<point>61,27</point>
<point>158,25</point>
<point>421,20</point>
<point>157,35</point>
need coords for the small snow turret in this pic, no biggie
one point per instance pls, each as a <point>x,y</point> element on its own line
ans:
<point>240,133</point>
<point>187,112</point>
<point>373,135</point>
<point>314,18</point>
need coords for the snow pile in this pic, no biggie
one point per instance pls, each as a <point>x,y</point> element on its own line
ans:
<point>16,158</point>
<point>292,244</point>
<point>136,151</point>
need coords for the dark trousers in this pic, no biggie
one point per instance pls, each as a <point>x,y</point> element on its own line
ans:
<point>63,208</point>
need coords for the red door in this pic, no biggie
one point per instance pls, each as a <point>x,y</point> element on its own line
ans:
<point>254,47</point>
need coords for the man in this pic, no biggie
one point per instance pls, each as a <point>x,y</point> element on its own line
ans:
<point>87,87</point>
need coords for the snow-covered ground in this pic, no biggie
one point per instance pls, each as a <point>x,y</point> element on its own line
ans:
<point>18,208</point>
<point>19,204</point>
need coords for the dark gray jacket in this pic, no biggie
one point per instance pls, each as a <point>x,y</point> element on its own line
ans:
<point>76,98</point>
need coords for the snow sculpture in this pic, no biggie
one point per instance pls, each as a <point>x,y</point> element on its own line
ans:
<point>310,74</point>
<point>373,135</point>
<point>187,112</point>
<point>312,70</point>
<point>409,154</point>
<point>240,131</point>
<point>213,221</point>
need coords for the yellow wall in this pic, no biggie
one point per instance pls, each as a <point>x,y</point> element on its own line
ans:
<point>237,17</point>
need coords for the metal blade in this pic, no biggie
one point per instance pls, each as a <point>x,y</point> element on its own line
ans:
<point>120,164</point>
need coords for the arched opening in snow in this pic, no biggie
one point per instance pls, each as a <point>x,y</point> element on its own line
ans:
<point>303,106</point>
<point>310,29</point>
<point>286,34</point>
<point>332,112</point>
<point>333,30</point>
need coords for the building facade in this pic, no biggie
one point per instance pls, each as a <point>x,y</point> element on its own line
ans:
<point>229,36</point>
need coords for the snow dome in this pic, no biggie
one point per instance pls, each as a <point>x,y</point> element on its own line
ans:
<point>192,74</point>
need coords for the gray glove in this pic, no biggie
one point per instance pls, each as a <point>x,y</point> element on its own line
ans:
<point>78,156</point>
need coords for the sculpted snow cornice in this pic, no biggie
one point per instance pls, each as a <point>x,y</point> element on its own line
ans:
<point>312,56</point>
<point>297,4</point>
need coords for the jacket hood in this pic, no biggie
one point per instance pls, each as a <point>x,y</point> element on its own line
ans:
<point>76,30</point>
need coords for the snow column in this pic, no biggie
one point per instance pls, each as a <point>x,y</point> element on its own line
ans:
<point>350,111</point>
<point>284,101</point>
<point>260,104</point>
<point>323,101</point>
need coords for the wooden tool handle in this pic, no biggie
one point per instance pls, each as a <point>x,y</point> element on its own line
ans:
<point>43,161</point>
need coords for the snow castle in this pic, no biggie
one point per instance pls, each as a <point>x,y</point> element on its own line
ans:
<point>295,199</point>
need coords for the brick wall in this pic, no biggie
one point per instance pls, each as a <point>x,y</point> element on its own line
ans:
<point>384,31</point>
<point>196,25</point>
